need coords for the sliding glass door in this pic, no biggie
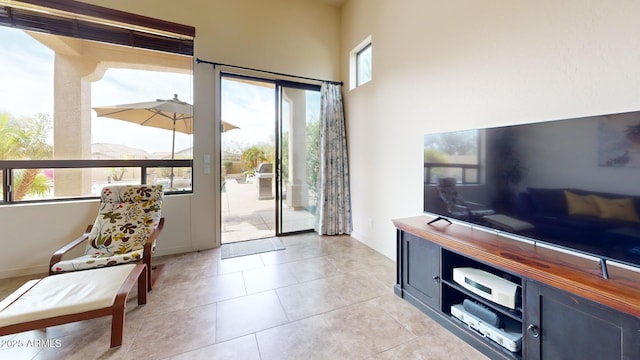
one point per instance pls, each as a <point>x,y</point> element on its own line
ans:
<point>269,157</point>
<point>248,110</point>
<point>297,156</point>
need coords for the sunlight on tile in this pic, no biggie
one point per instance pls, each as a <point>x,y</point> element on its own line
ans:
<point>320,298</point>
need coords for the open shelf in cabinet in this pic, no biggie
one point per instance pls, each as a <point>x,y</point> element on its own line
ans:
<point>558,290</point>
<point>496,347</point>
<point>453,293</point>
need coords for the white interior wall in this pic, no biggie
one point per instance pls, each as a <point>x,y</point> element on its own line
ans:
<point>446,65</point>
<point>436,66</point>
<point>290,36</point>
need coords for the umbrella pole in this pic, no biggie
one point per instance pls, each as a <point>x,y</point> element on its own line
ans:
<point>173,151</point>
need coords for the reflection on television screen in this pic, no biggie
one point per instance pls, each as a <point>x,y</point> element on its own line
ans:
<point>573,183</point>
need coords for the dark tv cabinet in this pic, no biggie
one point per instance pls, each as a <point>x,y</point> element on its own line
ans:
<point>566,310</point>
<point>420,270</point>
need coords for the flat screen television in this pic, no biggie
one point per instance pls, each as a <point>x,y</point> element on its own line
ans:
<point>571,183</point>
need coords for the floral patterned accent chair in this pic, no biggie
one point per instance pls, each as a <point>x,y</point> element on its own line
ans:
<point>126,229</point>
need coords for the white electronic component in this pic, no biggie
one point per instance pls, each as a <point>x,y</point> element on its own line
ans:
<point>487,285</point>
<point>509,337</point>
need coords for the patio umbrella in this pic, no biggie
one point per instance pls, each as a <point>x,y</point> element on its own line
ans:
<point>228,126</point>
<point>172,114</point>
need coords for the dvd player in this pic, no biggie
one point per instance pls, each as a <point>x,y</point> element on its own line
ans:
<point>487,285</point>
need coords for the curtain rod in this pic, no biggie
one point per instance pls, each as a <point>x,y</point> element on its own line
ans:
<point>198,61</point>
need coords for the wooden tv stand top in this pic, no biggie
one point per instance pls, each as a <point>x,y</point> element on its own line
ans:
<point>571,273</point>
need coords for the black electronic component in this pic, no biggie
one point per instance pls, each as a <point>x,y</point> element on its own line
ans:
<point>482,312</point>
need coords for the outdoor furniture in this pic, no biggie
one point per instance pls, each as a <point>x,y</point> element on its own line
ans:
<point>172,114</point>
<point>264,181</point>
<point>125,230</point>
<point>456,205</point>
<point>71,297</point>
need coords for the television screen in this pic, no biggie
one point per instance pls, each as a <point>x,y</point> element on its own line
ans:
<point>572,183</point>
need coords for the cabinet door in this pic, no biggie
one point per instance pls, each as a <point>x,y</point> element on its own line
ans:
<point>558,325</point>
<point>421,273</point>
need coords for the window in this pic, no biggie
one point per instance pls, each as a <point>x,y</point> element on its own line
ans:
<point>360,64</point>
<point>363,65</point>
<point>53,144</point>
<point>454,154</point>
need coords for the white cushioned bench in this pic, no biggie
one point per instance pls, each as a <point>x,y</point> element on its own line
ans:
<point>74,296</point>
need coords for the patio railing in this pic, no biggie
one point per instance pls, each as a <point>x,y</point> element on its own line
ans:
<point>464,173</point>
<point>90,176</point>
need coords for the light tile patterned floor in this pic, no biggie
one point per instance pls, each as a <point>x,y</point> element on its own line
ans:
<point>321,298</point>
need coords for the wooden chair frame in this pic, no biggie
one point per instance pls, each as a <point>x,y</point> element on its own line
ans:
<point>152,276</point>
<point>116,311</point>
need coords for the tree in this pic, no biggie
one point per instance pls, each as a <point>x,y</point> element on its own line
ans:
<point>253,156</point>
<point>30,181</point>
<point>118,173</point>
<point>8,146</point>
<point>433,156</point>
<point>26,139</point>
<point>454,143</point>
<point>313,154</point>
<point>284,155</point>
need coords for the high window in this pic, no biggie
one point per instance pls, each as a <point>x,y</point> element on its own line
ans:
<point>80,80</point>
<point>363,65</point>
<point>360,60</point>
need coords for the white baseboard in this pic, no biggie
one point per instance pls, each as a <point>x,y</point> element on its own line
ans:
<point>358,236</point>
<point>173,251</point>
<point>42,270</point>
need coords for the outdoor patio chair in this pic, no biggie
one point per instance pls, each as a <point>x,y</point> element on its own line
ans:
<point>125,230</point>
<point>455,203</point>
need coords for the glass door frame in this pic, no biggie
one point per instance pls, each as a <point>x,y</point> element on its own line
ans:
<point>235,76</point>
<point>278,178</point>
<point>280,181</point>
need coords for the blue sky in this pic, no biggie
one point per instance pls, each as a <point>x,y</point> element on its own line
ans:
<point>28,88</point>
<point>252,109</point>
<point>124,86</point>
<point>26,70</point>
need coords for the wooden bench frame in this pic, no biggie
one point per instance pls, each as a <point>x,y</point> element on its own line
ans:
<point>116,311</point>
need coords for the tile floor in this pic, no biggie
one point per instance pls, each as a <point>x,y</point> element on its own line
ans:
<point>321,298</point>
